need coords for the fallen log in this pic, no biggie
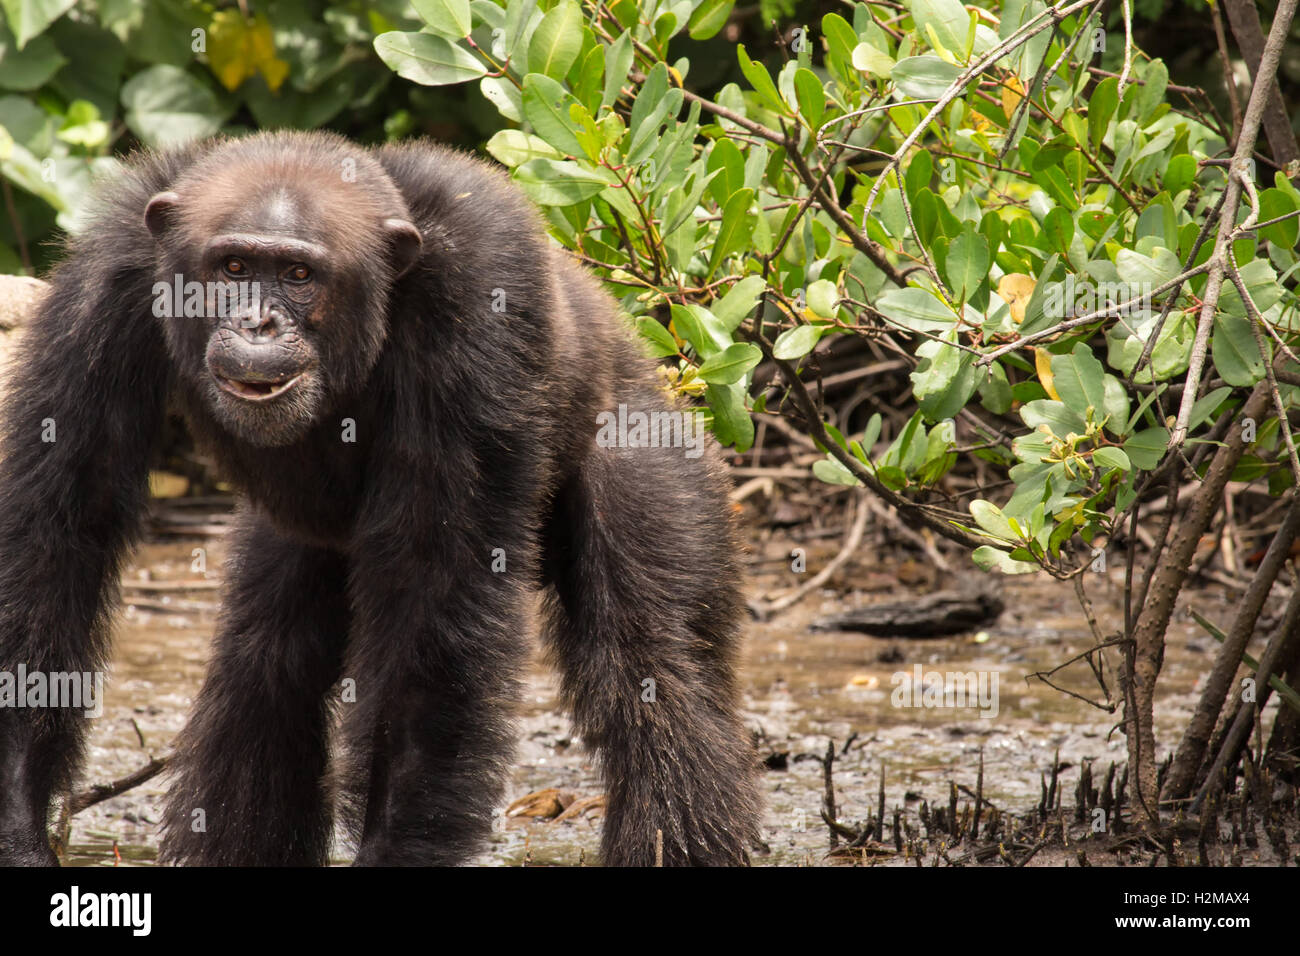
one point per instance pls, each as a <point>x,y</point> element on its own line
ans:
<point>932,615</point>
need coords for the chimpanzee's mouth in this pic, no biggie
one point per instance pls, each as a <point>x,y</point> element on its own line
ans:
<point>257,391</point>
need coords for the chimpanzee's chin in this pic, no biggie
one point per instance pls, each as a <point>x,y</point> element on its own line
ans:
<point>267,424</point>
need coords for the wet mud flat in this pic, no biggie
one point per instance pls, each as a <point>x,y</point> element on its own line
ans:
<point>862,698</point>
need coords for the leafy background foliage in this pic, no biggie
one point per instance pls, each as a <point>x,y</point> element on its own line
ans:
<point>757,218</point>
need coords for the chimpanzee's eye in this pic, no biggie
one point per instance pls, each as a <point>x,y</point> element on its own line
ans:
<point>298,273</point>
<point>235,268</point>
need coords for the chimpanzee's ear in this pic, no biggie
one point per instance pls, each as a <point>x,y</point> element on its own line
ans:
<point>160,214</point>
<point>405,242</point>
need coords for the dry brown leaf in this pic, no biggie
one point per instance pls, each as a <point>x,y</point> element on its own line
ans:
<point>542,804</point>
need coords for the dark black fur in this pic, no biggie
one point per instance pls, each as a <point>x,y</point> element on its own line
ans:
<point>371,560</point>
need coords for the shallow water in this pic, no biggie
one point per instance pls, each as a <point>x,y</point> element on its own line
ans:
<point>801,689</point>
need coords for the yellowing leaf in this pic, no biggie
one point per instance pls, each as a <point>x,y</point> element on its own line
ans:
<point>1074,513</point>
<point>239,48</point>
<point>1013,91</point>
<point>1043,365</point>
<point>938,46</point>
<point>1016,288</point>
<point>274,72</point>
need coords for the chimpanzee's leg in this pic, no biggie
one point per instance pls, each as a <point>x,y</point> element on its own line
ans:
<point>253,760</point>
<point>644,626</point>
<point>437,647</point>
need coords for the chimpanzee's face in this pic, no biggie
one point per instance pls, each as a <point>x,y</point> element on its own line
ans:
<point>296,290</point>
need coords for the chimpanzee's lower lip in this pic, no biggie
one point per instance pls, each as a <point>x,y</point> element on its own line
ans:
<point>256,391</point>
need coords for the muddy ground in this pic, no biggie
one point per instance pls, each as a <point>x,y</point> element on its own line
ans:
<point>802,689</point>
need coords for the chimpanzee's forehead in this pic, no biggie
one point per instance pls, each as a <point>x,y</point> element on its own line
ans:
<point>290,187</point>
<point>276,212</point>
<point>273,202</point>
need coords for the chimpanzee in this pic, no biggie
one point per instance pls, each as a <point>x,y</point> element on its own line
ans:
<point>403,376</point>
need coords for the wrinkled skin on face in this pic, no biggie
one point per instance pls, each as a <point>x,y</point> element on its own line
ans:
<point>297,271</point>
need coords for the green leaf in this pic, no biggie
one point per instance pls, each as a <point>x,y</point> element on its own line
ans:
<point>655,103</point>
<point>892,477</point>
<point>427,59</point>
<point>739,301</point>
<point>82,125</point>
<point>1114,404</point>
<point>736,229</point>
<point>908,449</point>
<point>708,18</point>
<point>1147,447</point>
<point>991,519</point>
<point>618,61</point>
<point>832,472</point>
<point>823,298</point>
<point>1137,269</point>
<point>1110,457</point>
<point>552,182</point>
<point>1272,203</point>
<point>665,27</point>
<point>546,107</point>
<point>660,340</point>
<point>870,60</point>
<point>967,262</point>
<point>1014,15</point>
<point>1079,380</point>
<point>989,558</point>
<point>1206,405</point>
<point>948,19</point>
<point>682,204</point>
<point>589,78</point>
<point>726,156</point>
<point>1101,109</point>
<point>924,77</point>
<point>944,380</point>
<point>811,96</point>
<point>556,42</point>
<point>731,364</point>
<point>29,18</point>
<point>512,147</point>
<point>797,342</point>
<point>731,422</point>
<point>925,215</point>
<point>995,393</point>
<point>1260,281</point>
<point>870,435</point>
<point>1152,91</point>
<point>1059,417</point>
<point>450,18</point>
<point>504,95</point>
<point>1052,152</point>
<point>916,309</point>
<point>761,81</point>
<point>1035,316</point>
<point>840,38</point>
<point>1236,356</point>
<point>1180,173</point>
<point>167,106</point>
<point>1058,227</point>
<point>520,20</point>
<point>920,169</point>
<point>701,328</point>
<point>32,66</point>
